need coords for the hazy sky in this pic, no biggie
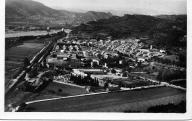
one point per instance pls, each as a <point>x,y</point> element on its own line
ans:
<point>131,6</point>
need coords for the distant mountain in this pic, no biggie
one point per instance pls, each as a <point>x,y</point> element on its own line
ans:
<point>162,31</point>
<point>94,16</point>
<point>27,12</point>
<point>78,18</point>
<point>127,25</point>
<point>171,17</point>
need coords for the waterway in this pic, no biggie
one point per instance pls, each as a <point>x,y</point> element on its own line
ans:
<point>28,33</point>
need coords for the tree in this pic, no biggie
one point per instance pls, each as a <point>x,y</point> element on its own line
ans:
<point>26,62</point>
<point>106,85</point>
<point>159,76</point>
<point>139,64</point>
<point>59,90</point>
<point>124,74</point>
<point>113,71</point>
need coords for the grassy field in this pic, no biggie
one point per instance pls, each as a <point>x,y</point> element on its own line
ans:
<point>51,91</point>
<point>105,102</point>
<point>56,90</point>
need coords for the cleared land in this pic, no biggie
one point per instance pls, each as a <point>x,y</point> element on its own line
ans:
<point>96,102</point>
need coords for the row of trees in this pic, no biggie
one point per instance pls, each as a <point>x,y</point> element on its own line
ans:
<point>167,75</point>
<point>80,80</point>
<point>181,62</point>
<point>136,84</point>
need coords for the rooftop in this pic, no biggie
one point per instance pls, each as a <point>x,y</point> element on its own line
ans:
<point>110,76</point>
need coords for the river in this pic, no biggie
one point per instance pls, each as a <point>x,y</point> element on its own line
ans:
<point>29,33</point>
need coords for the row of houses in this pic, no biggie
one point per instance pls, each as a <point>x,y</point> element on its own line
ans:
<point>145,54</point>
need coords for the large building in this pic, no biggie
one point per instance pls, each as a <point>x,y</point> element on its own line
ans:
<point>99,74</point>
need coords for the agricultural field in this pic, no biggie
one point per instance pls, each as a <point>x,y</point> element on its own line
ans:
<point>56,90</point>
<point>113,101</point>
<point>53,90</point>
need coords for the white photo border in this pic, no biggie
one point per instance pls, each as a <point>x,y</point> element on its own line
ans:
<point>98,116</point>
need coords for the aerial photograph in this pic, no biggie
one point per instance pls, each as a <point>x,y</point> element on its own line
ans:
<point>121,56</point>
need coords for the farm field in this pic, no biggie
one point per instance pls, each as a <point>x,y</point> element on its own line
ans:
<point>102,102</point>
<point>57,90</point>
<point>51,91</point>
<point>14,57</point>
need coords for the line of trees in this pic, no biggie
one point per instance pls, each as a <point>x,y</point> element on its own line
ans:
<point>136,84</point>
<point>181,62</point>
<point>80,80</point>
<point>167,75</point>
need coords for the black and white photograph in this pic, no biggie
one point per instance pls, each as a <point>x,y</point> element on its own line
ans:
<point>95,56</point>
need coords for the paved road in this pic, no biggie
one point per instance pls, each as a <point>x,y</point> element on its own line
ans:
<point>94,102</point>
<point>163,83</point>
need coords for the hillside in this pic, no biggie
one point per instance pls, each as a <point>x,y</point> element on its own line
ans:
<point>163,31</point>
<point>28,12</point>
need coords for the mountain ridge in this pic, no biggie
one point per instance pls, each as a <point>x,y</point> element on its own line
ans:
<point>33,12</point>
<point>162,30</point>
